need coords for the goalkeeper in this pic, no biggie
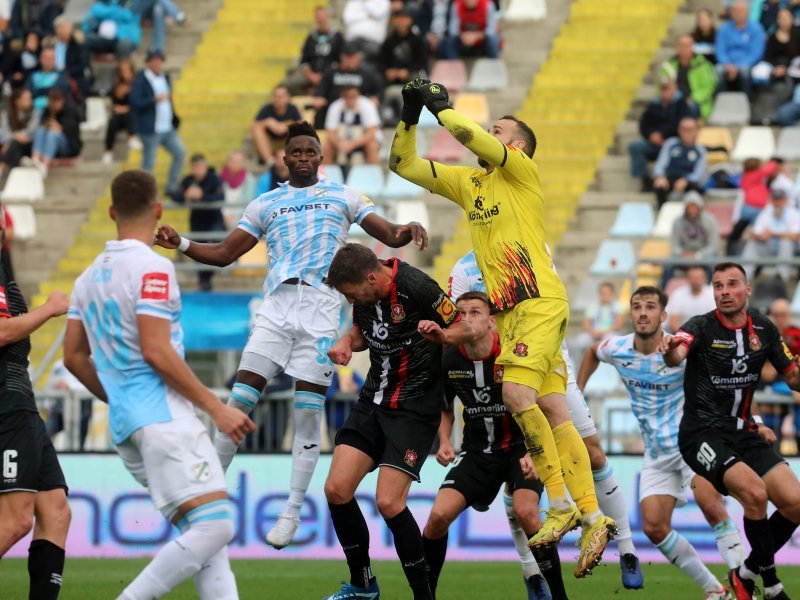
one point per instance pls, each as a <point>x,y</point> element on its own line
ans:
<point>504,206</point>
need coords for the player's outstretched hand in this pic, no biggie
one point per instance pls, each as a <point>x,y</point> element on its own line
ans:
<point>233,423</point>
<point>412,101</point>
<point>418,234</point>
<point>341,352</point>
<point>446,454</point>
<point>435,97</point>
<point>528,470</point>
<point>167,237</point>
<point>432,332</point>
<point>57,303</point>
<point>668,343</point>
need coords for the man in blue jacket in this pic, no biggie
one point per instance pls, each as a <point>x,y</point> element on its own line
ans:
<point>111,28</point>
<point>154,117</point>
<point>740,44</point>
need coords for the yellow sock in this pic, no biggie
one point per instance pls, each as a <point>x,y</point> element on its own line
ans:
<point>542,448</point>
<point>576,467</point>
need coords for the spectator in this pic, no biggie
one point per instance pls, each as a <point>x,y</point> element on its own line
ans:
<point>739,46</point>
<point>271,123</point>
<point>695,234</point>
<point>27,61</point>
<point>433,21</point>
<point>783,45</point>
<point>7,54</point>
<point>754,183</point>
<point>694,74</point>
<point>47,77</point>
<point>769,14</point>
<point>8,237</point>
<point>30,15</point>
<point>111,28</point>
<point>238,185</point>
<point>320,52</point>
<point>71,55</point>
<point>349,72</point>
<point>154,117</point>
<point>789,112</point>
<point>121,117</point>
<point>17,128</point>
<point>159,12</point>
<point>658,123</point>
<point>775,234</point>
<point>365,23</point>
<point>603,318</point>
<point>353,126</point>
<point>681,163</point>
<point>202,185</point>
<point>272,178</point>
<point>704,35</point>
<point>404,55</point>
<point>694,298</point>
<point>472,30</point>
<point>58,134</point>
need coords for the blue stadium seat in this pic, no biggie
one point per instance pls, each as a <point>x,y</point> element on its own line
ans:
<point>614,258</point>
<point>488,74</point>
<point>396,187</point>
<point>333,173</point>
<point>634,220</point>
<point>367,179</point>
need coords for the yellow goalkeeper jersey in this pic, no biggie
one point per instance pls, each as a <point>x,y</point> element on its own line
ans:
<point>505,209</point>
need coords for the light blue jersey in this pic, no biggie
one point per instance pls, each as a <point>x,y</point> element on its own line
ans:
<point>304,227</point>
<point>465,277</point>
<point>656,392</point>
<point>127,280</point>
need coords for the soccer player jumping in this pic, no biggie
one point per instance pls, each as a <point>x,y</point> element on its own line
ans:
<point>305,221</point>
<point>725,350</point>
<point>505,209</point>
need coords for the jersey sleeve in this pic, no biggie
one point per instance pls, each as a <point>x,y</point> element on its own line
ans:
<point>74,311</point>
<point>434,304</point>
<point>5,313</point>
<point>778,352</point>
<point>458,283</point>
<point>605,351</point>
<point>158,294</point>
<point>358,205</point>
<point>251,220</point>
<point>691,333</point>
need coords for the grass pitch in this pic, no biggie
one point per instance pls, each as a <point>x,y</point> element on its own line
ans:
<point>86,579</point>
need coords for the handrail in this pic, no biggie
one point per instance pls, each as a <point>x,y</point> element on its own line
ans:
<point>47,359</point>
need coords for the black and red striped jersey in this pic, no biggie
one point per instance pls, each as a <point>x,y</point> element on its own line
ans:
<point>723,368</point>
<point>16,391</point>
<point>405,369</point>
<point>488,426</point>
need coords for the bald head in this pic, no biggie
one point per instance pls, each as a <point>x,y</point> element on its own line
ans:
<point>780,311</point>
<point>740,11</point>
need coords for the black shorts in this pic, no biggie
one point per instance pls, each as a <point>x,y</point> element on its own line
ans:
<point>394,438</point>
<point>29,461</point>
<point>711,452</point>
<point>479,476</point>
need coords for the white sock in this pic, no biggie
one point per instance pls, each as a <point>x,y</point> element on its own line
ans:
<point>771,592</point>
<point>245,398</point>
<point>684,556</point>
<point>529,565</point>
<point>612,502</point>
<point>729,543</point>
<point>206,530</point>
<point>215,580</point>
<point>308,408</point>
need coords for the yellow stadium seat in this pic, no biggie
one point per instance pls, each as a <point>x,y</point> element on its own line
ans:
<point>474,106</point>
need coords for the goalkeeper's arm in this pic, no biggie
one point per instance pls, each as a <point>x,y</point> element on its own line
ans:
<point>470,134</point>
<point>404,160</point>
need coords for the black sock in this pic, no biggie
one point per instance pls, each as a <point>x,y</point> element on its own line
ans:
<point>45,567</point>
<point>408,543</point>
<point>782,530</point>
<point>353,533</point>
<point>435,551</point>
<point>762,553</point>
<point>550,565</point>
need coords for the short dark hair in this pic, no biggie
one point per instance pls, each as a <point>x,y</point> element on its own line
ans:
<point>197,157</point>
<point>351,264</point>
<point>525,134</point>
<point>724,266</point>
<point>301,128</point>
<point>651,290</point>
<point>56,93</point>
<point>474,295</point>
<point>133,192</point>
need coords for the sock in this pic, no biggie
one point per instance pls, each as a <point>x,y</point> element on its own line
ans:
<point>45,568</point>
<point>782,530</point>
<point>435,551</point>
<point>729,543</point>
<point>245,399</point>
<point>550,564</point>
<point>542,448</point>
<point>612,502</point>
<point>215,580</point>
<point>529,566</point>
<point>205,531</point>
<point>574,458</point>
<point>762,552</point>
<point>683,555</point>
<point>408,543</point>
<point>308,408</point>
<point>353,533</point>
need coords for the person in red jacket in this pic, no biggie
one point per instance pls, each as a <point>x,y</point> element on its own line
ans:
<point>472,30</point>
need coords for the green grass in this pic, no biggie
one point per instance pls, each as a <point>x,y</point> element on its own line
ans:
<point>311,580</point>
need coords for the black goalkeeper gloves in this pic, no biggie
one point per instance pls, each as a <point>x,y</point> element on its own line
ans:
<point>419,93</point>
<point>435,97</point>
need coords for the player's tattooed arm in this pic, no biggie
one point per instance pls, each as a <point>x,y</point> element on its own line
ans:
<point>393,234</point>
<point>220,254</point>
<point>589,365</point>
<point>342,351</point>
<point>78,359</point>
<point>13,329</point>
<point>446,453</point>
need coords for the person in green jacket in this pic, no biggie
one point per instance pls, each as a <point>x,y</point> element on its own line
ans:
<point>695,75</point>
